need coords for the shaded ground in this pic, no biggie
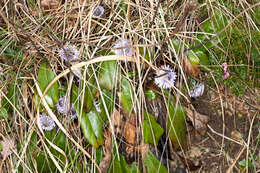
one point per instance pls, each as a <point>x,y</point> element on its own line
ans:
<point>217,151</point>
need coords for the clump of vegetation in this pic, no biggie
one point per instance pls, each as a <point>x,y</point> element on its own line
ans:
<point>115,87</point>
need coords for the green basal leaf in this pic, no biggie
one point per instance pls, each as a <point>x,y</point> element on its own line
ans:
<point>151,129</point>
<point>45,76</point>
<point>176,44</point>
<point>99,155</point>
<point>193,58</point>
<point>36,100</point>
<point>176,125</point>
<point>87,130</point>
<point>153,164</point>
<point>109,104</point>
<point>120,165</point>
<point>243,163</point>
<point>109,74</point>
<point>145,53</point>
<point>3,113</point>
<point>215,24</point>
<point>60,141</point>
<point>36,156</point>
<point>198,57</point>
<point>44,163</point>
<point>75,93</point>
<point>126,97</point>
<point>151,94</point>
<point>97,125</point>
<point>12,97</point>
<point>88,96</point>
<point>92,127</point>
<point>134,168</point>
<point>90,89</point>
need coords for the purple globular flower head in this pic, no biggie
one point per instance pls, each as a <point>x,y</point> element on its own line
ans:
<point>46,123</point>
<point>197,91</point>
<point>69,53</point>
<point>63,108</point>
<point>98,12</point>
<point>165,77</point>
<point>122,47</point>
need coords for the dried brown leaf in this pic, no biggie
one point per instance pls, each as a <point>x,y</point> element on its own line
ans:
<point>8,146</point>
<point>104,164</point>
<point>236,135</point>
<point>129,133</point>
<point>191,69</point>
<point>198,120</point>
<point>116,121</point>
<point>49,4</point>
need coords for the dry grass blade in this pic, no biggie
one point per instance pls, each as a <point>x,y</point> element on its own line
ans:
<point>91,61</point>
<point>53,116</point>
<point>192,38</point>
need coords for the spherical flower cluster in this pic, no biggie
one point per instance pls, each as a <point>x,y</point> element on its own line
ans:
<point>69,53</point>
<point>197,91</point>
<point>122,47</point>
<point>165,77</point>
<point>46,123</point>
<point>63,108</point>
<point>98,12</point>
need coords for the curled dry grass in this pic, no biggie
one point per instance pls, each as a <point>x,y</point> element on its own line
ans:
<point>148,25</point>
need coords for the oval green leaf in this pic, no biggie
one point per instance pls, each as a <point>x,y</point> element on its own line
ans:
<point>151,94</point>
<point>92,127</point>
<point>109,74</point>
<point>176,125</point>
<point>45,76</point>
<point>126,96</point>
<point>153,164</point>
<point>3,113</point>
<point>109,103</point>
<point>151,129</point>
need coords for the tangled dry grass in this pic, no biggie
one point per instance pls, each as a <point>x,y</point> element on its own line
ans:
<point>33,32</point>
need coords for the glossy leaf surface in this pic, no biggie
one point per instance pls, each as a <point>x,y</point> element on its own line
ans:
<point>176,125</point>
<point>120,166</point>
<point>153,164</point>
<point>151,129</point>
<point>126,96</point>
<point>45,76</point>
<point>92,128</point>
<point>109,75</point>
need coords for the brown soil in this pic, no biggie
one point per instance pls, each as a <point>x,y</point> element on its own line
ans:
<point>220,148</point>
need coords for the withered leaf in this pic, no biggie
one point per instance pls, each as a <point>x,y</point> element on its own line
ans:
<point>129,133</point>
<point>104,164</point>
<point>116,121</point>
<point>49,4</point>
<point>191,69</point>
<point>198,120</point>
<point>8,146</point>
